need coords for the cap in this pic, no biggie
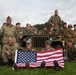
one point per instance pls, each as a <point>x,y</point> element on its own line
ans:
<point>64,23</point>
<point>18,23</point>
<point>28,42</point>
<point>74,25</point>
<point>48,42</point>
<point>69,25</point>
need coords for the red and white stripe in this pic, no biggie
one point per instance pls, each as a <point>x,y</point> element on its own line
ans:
<point>48,57</point>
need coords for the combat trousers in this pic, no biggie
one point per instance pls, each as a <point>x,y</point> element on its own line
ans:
<point>5,57</point>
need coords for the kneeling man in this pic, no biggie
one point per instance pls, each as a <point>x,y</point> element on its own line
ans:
<point>8,51</point>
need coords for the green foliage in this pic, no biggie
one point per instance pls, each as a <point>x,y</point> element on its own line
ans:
<point>70,69</point>
<point>41,26</point>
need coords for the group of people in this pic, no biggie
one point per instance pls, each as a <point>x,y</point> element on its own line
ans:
<point>11,37</point>
<point>11,40</point>
<point>66,34</point>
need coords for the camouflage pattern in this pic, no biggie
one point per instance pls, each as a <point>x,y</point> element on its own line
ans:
<point>11,49</point>
<point>70,30</point>
<point>19,34</point>
<point>28,32</point>
<point>52,32</point>
<point>64,33</point>
<point>43,32</point>
<point>35,31</point>
<point>56,20</point>
<point>71,53</point>
<point>7,31</point>
<point>48,42</point>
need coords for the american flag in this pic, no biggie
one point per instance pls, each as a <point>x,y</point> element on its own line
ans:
<point>25,56</point>
<point>47,56</point>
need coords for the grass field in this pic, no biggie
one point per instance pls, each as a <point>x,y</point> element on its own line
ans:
<point>70,69</point>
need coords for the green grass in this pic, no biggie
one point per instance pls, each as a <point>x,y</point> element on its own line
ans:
<point>70,69</point>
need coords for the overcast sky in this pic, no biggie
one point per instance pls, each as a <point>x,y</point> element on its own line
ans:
<point>37,11</point>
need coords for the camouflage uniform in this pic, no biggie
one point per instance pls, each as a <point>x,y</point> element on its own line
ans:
<point>28,42</point>
<point>7,31</point>
<point>35,31</point>
<point>56,20</point>
<point>61,33</point>
<point>64,33</point>
<point>28,32</point>
<point>44,32</point>
<point>11,49</point>
<point>19,34</point>
<point>49,49</point>
<point>70,30</point>
<point>71,52</point>
<point>52,32</point>
<point>48,42</point>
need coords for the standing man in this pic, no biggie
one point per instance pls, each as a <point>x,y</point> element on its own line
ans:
<point>8,30</point>
<point>19,33</point>
<point>55,21</point>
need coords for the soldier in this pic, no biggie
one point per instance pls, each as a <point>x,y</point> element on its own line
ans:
<point>55,21</point>
<point>28,46</point>
<point>8,30</point>
<point>70,30</point>
<point>8,51</point>
<point>19,33</point>
<point>70,38</point>
<point>44,31</point>
<point>51,31</point>
<point>28,30</point>
<point>47,48</point>
<point>61,33</point>
<point>64,33</point>
<point>70,51</point>
<point>48,45</point>
<point>35,32</point>
<point>75,27</point>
